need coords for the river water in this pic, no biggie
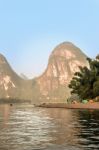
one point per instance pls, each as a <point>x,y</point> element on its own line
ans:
<point>23,127</point>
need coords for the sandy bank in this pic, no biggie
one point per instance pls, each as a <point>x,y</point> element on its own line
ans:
<point>94,105</point>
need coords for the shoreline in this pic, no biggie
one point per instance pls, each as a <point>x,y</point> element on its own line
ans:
<point>12,100</point>
<point>94,105</point>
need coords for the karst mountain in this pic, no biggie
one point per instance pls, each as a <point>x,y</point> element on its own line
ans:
<point>52,85</point>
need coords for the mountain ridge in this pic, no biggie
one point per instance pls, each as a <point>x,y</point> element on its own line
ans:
<point>52,84</point>
<point>64,59</point>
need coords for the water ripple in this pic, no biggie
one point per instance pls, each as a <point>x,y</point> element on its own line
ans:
<point>23,127</point>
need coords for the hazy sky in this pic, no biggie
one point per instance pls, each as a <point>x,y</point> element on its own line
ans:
<point>30,30</point>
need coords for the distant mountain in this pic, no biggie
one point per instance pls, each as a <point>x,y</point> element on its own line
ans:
<point>23,76</point>
<point>52,85</point>
<point>63,63</point>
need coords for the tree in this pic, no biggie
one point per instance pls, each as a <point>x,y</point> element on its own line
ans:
<point>97,57</point>
<point>85,83</point>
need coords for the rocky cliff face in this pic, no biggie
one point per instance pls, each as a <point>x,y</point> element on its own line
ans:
<point>63,63</point>
<point>52,85</point>
<point>9,80</point>
<point>13,86</point>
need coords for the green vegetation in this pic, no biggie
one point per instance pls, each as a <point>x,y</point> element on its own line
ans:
<point>85,83</point>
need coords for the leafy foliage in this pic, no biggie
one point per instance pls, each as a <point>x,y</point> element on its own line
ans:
<point>85,83</point>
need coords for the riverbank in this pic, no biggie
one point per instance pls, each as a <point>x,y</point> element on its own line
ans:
<point>12,100</point>
<point>94,105</point>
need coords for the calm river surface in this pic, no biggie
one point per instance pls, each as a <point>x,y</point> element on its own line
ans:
<point>23,127</point>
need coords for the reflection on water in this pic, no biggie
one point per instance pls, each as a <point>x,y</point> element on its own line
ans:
<point>4,114</point>
<point>23,127</point>
<point>89,133</point>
